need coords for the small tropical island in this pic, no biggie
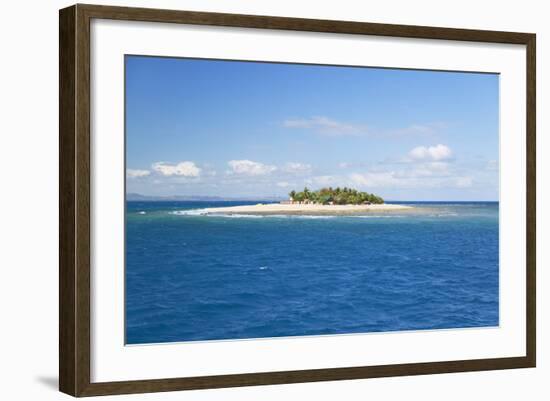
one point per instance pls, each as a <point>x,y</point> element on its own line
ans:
<point>334,196</point>
<point>325,201</point>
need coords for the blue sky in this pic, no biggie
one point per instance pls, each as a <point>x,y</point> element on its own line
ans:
<point>246,129</point>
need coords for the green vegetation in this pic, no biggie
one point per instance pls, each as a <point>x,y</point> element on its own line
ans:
<point>335,196</point>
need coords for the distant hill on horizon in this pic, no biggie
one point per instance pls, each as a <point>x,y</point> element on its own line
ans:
<point>151,198</point>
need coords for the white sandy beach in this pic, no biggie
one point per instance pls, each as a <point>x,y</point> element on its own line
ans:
<point>308,209</point>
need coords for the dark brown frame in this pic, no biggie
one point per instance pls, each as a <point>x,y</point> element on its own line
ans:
<point>74,199</point>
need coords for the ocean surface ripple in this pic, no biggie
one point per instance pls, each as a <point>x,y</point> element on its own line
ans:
<point>192,277</point>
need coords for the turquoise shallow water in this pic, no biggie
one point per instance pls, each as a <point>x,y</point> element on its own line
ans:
<point>192,277</point>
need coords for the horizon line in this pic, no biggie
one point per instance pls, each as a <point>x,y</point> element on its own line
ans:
<point>272,197</point>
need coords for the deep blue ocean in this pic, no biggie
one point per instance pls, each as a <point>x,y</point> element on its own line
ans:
<point>191,277</point>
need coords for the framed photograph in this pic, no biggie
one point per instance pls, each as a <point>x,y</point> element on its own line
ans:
<point>250,200</point>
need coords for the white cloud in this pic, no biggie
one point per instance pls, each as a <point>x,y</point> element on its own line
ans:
<point>441,167</point>
<point>374,179</point>
<point>296,168</point>
<point>436,153</point>
<point>421,177</point>
<point>492,165</point>
<point>283,184</point>
<point>325,126</point>
<point>464,182</point>
<point>428,169</point>
<point>355,165</point>
<point>133,173</point>
<point>424,130</point>
<point>426,174</point>
<point>248,167</point>
<point>182,169</point>
<point>326,180</point>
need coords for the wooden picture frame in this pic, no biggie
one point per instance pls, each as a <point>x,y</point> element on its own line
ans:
<point>74,200</point>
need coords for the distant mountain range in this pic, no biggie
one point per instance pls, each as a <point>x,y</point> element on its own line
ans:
<point>149,198</point>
